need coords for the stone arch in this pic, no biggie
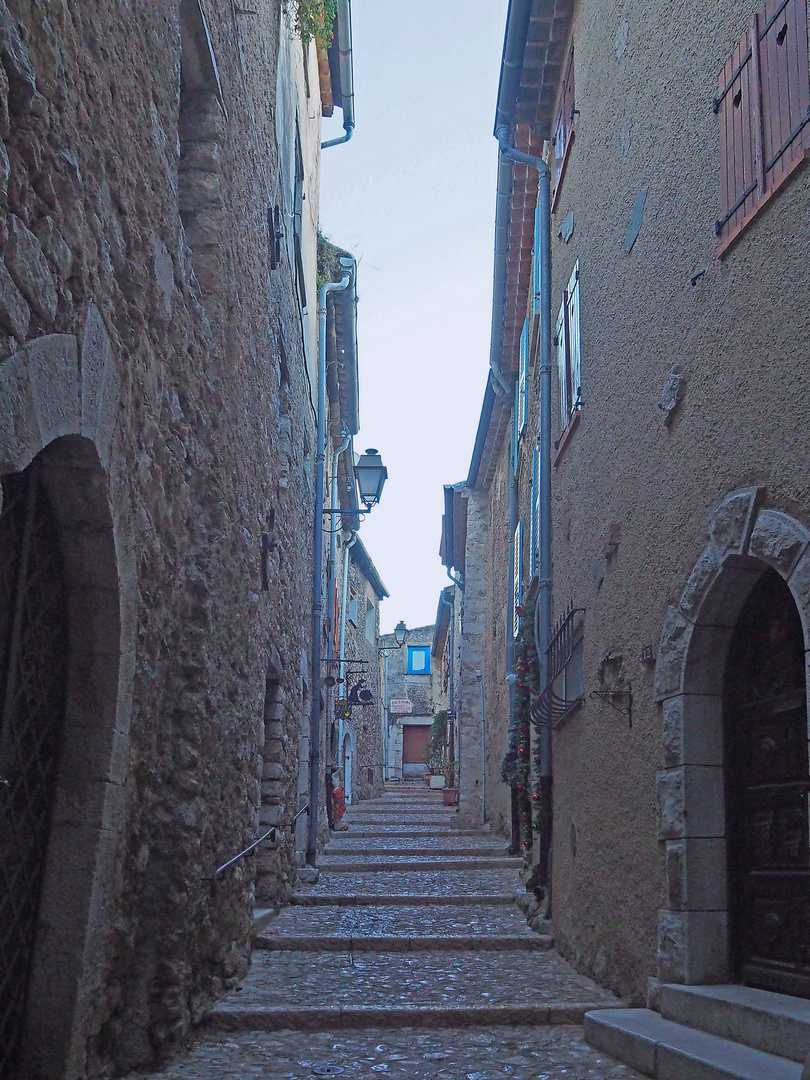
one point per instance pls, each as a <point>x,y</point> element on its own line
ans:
<point>59,404</point>
<point>744,540</point>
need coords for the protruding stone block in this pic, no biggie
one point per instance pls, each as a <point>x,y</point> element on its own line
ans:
<point>730,522</point>
<point>672,650</point>
<point>53,373</point>
<point>778,540</point>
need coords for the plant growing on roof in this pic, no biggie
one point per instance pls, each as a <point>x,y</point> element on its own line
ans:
<point>313,19</point>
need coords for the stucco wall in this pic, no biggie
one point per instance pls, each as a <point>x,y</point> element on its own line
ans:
<point>200,417</point>
<point>645,80</point>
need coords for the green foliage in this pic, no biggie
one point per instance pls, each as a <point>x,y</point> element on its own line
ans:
<point>450,768</point>
<point>435,765</point>
<point>438,734</point>
<point>313,19</point>
<point>516,764</point>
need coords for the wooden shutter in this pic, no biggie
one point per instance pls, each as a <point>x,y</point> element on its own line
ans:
<point>574,353</point>
<point>564,127</point>
<point>562,365</point>
<point>763,106</point>
<point>536,309</point>
<point>782,33</point>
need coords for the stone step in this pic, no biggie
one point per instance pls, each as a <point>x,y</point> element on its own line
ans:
<point>407,830</point>
<point>415,850</point>
<point>420,899</point>
<point>774,1023</point>
<point>230,1017</point>
<point>385,920</point>
<point>403,861</point>
<point>387,943</point>
<point>667,1051</point>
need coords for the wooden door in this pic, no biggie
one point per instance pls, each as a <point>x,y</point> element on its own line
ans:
<point>768,784</point>
<point>415,738</point>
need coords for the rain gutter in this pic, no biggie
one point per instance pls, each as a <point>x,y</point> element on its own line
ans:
<point>344,35</point>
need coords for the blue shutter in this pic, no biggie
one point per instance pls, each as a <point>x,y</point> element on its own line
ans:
<point>533,534</point>
<point>523,377</point>
<point>536,307</point>
<point>517,569</point>
<point>516,428</point>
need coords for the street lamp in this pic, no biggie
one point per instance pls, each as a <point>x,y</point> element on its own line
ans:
<point>400,637</point>
<point>371,475</point>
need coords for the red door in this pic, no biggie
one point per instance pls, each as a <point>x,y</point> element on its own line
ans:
<point>415,738</point>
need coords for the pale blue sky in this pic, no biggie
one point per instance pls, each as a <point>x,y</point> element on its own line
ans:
<point>413,196</point>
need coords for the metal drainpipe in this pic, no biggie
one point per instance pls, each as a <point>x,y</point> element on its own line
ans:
<point>317,563</point>
<point>544,597</point>
<point>344,21</point>
<point>344,592</point>
<point>480,676</point>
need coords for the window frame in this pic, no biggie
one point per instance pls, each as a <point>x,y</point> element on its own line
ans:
<point>568,340</point>
<point>425,649</point>
<point>517,577</point>
<point>763,82</point>
<point>564,129</point>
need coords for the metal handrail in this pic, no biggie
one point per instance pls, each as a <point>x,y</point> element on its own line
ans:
<point>220,872</point>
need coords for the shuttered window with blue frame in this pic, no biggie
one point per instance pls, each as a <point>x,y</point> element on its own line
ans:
<point>517,577</point>
<point>534,531</point>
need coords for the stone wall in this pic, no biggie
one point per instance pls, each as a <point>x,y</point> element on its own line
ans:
<point>478,736</point>
<point>189,387</point>
<point>367,773</point>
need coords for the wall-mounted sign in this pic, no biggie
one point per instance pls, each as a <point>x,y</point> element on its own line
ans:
<point>401,705</point>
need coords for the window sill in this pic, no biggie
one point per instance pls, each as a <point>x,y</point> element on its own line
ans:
<point>563,164</point>
<point>566,435</point>
<point>729,241</point>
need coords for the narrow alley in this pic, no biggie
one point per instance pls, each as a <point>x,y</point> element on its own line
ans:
<point>409,959</point>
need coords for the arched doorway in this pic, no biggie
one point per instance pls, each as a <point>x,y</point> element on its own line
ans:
<point>767,791</point>
<point>33,672</point>
<point>348,754</point>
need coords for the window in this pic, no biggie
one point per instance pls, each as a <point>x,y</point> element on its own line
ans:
<point>564,127</point>
<point>353,610</point>
<point>517,577</point>
<point>565,689</point>
<point>762,106</point>
<point>418,660</point>
<point>298,220</point>
<point>522,383</point>
<point>568,353</point>
<point>371,622</point>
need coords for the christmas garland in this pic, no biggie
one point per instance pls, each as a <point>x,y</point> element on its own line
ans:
<point>516,764</point>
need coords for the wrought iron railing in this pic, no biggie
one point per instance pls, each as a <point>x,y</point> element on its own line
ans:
<point>221,871</point>
<point>550,706</point>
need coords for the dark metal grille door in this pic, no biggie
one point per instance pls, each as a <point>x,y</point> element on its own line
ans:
<point>32,703</point>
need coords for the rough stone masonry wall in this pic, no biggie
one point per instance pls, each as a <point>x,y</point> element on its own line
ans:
<point>367,781</point>
<point>495,575</point>
<point>210,449</point>
<point>474,770</point>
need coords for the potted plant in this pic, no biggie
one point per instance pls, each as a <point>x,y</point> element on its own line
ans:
<point>436,772</point>
<point>450,792</point>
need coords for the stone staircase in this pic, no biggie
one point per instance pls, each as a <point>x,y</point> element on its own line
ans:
<point>413,923</point>
<point>709,1033</point>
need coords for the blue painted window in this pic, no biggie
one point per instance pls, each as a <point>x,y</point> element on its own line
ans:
<point>534,531</point>
<point>517,577</point>
<point>536,309</point>
<point>418,660</point>
<point>523,378</point>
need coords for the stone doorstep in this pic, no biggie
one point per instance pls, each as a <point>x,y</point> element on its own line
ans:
<point>336,1017</point>
<point>363,899</point>
<point>336,864</point>
<point>774,1023</point>
<point>659,1048</point>
<point>393,943</point>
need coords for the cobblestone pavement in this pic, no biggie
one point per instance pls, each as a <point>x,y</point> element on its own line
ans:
<point>497,1053</point>
<point>344,988</point>
<point>416,883</point>
<point>408,921</point>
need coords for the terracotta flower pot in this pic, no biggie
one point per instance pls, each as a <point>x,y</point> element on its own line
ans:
<point>450,796</point>
<point>427,779</point>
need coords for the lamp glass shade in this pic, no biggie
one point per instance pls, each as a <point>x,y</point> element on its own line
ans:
<point>400,633</point>
<point>371,475</point>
